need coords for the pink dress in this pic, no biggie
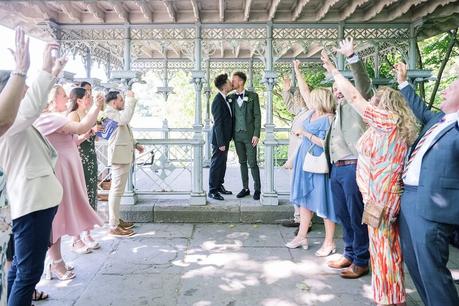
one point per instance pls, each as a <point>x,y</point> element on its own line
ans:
<point>74,214</point>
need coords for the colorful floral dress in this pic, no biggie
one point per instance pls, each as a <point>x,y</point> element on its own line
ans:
<point>5,231</point>
<point>379,169</point>
<point>89,159</point>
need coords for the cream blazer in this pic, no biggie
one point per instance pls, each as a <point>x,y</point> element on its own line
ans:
<point>121,143</point>
<point>27,158</point>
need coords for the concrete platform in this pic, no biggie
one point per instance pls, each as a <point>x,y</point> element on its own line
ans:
<point>180,211</point>
<point>210,264</point>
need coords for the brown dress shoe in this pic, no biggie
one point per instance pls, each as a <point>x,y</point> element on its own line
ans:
<point>125,224</point>
<point>121,232</point>
<point>354,271</point>
<point>341,263</point>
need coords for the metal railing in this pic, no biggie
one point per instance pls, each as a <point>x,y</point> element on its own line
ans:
<point>165,167</point>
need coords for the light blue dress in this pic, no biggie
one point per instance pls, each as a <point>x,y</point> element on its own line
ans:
<point>312,190</point>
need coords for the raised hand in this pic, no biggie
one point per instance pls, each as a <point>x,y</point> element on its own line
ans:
<point>130,93</point>
<point>296,65</point>
<point>21,54</point>
<point>401,74</point>
<point>346,47</point>
<point>48,57</point>
<point>59,65</point>
<point>100,100</point>
<point>287,83</point>
<point>327,63</point>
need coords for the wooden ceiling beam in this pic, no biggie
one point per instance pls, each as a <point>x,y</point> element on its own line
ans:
<point>96,11</point>
<point>221,10</point>
<point>70,11</point>
<point>145,8</point>
<point>401,9</point>
<point>195,6</point>
<point>351,9</point>
<point>121,11</point>
<point>429,8</point>
<point>325,9</point>
<point>273,9</point>
<point>248,4</point>
<point>299,9</point>
<point>170,10</point>
<point>376,9</point>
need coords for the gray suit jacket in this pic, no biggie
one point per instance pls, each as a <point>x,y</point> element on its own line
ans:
<point>438,190</point>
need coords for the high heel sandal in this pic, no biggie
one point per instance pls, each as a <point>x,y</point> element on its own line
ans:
<point>296,244</point>
<point>83,249</point>
<point>50,272</point>
<point>326,251</point>
<point>90,243</point>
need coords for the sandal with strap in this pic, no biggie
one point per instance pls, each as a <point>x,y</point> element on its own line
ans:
<point>50,271</point>
<point>39,295</point>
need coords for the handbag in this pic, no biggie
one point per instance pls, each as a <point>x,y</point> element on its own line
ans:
<point>373,213</point>
<point>315,164</point>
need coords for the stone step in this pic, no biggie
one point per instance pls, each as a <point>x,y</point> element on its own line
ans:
<point>156,210</point>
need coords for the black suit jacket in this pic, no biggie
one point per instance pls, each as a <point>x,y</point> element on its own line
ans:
<point>223,123</point>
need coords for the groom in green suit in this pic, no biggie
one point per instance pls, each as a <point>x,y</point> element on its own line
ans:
<point>246,132</point>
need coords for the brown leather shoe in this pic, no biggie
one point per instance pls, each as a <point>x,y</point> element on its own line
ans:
<point>354,271</point>
<point>125,224</point>
<point>341,263</point>
<point>121,232</point>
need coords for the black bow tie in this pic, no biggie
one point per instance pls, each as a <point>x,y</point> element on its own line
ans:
<point>240,96</point>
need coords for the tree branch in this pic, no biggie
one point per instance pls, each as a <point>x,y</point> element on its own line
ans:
<point>451,44</point>
<point>422,89</point>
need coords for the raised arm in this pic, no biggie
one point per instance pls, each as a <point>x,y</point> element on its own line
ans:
<point>416,104</point>
<point>302,85</point>
<point>287,95</point>
<point>11,95</point>
<point>350,93</point>
<point>361,78</point>
<point>36,97</point>
<point>88,121</point>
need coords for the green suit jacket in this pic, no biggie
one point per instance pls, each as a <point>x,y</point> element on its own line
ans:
<point>252,113</point>
<point>351,125</point>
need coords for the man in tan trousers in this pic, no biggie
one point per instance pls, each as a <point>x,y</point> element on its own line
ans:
<point>121,145</point>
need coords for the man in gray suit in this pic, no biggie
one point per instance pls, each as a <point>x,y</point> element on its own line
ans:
<point>430,203</point>
<point>246,127</point>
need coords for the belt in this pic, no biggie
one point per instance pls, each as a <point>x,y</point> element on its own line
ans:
<point>341,163</point>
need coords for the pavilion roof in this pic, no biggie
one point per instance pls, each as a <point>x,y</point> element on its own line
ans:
<point>230,29</point>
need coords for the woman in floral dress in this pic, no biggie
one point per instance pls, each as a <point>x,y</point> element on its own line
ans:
<point>382,150</point>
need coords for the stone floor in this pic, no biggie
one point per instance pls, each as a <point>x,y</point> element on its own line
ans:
<point>209,264</point>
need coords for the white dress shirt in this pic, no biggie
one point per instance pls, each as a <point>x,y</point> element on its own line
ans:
<point>239,99</point>
<point>414,169</point>
<point>229,106</point>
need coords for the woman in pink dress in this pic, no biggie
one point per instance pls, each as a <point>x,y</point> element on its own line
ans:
<point>74,214</point>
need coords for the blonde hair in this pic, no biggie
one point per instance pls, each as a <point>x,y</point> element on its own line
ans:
<point>393,101</point>
<point>322,100</point>
<point>51,97</point>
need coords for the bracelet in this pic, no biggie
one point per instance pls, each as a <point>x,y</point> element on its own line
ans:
<point>19,73</point>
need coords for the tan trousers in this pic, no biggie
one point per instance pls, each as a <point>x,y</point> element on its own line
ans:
<point>120,173</point>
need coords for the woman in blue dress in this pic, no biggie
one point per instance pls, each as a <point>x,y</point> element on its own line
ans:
<point>311,191</point>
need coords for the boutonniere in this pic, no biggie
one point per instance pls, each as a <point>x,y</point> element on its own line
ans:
<point>246,99</point>
<point>229,100</point>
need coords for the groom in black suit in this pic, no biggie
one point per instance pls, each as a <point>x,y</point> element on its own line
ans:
<point>221,136</point>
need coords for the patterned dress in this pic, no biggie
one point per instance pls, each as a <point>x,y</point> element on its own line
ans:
<point>379,170</point>
<point>5,230</point>
<point>89,159</point>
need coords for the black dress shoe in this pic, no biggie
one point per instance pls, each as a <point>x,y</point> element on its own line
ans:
<point>216,196</point>
<point>256,195</point>
<point>222,190</point>
<point>243,193</point>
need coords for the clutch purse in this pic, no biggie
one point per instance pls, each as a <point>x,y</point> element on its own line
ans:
<point>315,164</point>
<point>372,214</point>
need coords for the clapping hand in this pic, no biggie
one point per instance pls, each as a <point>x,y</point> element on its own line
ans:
<point>346,47</point>
<point>100,100</point>
<point>21,54</point>
<point>139,148</point>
